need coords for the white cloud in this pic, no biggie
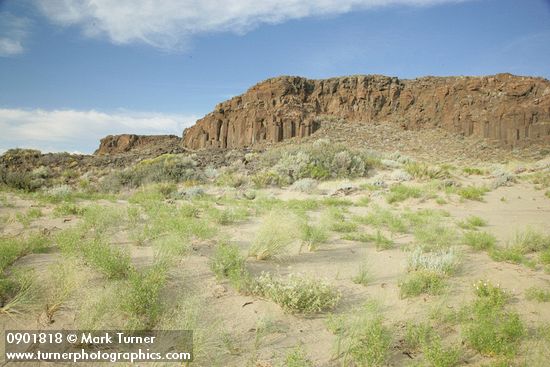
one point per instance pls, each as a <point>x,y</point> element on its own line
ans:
<point>169,24</point>
<point>13,32</point>
<point>70,130</point>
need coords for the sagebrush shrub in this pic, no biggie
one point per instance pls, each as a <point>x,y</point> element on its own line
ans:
<point>320,160</point>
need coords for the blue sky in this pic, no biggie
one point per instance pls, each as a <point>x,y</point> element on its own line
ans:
<point>73,71</point>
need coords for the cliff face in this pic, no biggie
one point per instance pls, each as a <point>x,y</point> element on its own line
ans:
<point>510,109</point>
<point>116,144</point>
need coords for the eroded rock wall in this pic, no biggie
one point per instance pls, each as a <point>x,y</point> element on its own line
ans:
<point>510,109</point>
<point>117,144</point>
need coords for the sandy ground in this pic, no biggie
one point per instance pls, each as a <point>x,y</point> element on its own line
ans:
<point>506,209</point>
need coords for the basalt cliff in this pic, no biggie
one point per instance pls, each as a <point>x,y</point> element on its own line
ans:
<point>509,109</point>
<point>117,144</point>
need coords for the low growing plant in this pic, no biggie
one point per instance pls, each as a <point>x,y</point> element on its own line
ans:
<point>472,222</point>
<point>402,192</point>
<point>297,293</point>
<point>297,358</point>
<point>421,282</point>
<point>362,337</point>
<point>480,240</point>
<point>537,294</point>
<point>442,262</point>
<point>472,193</point>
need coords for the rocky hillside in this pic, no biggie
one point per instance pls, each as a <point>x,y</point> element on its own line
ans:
<point>116,144</point>
<point>511,110</point>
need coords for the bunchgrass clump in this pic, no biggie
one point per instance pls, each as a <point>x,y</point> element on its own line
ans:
<point>112,261</point>
<point>472,222</point>
<point>297,358</point>
<point>421,282</point>
<point>67,208</point>
<point>362,339</point>
<point>297,293</point>
<point>479,240</point>
<point>313,235</point>
<point>226,260</point>
<point>402,192</point>
<point>336,202</point>
<point>423,171</point>
<point>537,294</point>
<point>423,217</point>
<point>383,218</point>
<point>422,337</point>
<point>343,226</point>
<point>337,222</point>
<point>228,216</point>
<point>472,192</point>
<point>363,276</point>
<point>18,293</point>
<point>435,236</point>
<point>511,254</point>
<point>531,240</point>
<point>276,233</point>
<point>62,280</point>
<point>437,354</point>
<point>228,263</point>
<point>382,242</point>
<point>12,249</point>
<point>473,171</point>
<point>417,334</point>
<point>29,216</point>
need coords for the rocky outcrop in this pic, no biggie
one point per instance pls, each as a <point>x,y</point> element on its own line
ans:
<point>510,109</point>
<point>117,144</point>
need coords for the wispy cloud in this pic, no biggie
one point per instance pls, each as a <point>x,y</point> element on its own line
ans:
<point>169,24</point>
<point>70,130</point>
<point>13,32</point>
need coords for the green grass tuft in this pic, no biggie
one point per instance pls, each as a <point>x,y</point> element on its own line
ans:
<point>228,263</point>
<point>297,358</point>
<point>362,337</point>
<point>142,300</point>
<point>537,294</point>
<point>402,192</point>
<point>480,240</point>
<point>472,222</point>
<point>472,193</point>
<point>364,276</point>
<point>313,236</point>
<point>421,282</point>
<point>531,240</point>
